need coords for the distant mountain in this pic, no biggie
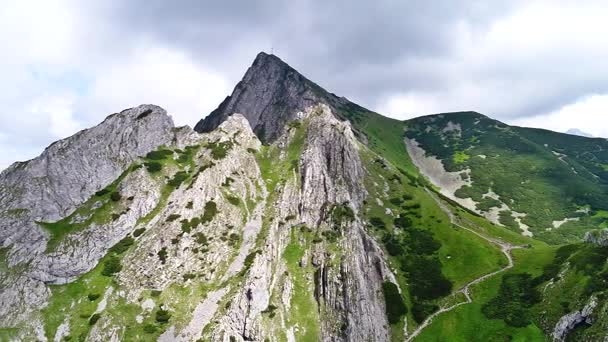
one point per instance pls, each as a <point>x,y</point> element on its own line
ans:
<point>292,214</point>
<point>576,131</point>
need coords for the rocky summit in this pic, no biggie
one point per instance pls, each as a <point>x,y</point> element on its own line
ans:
<point>292,214</point>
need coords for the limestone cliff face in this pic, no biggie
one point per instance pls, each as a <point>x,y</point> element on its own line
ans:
<point>270,95</point>
<point>52,186</point>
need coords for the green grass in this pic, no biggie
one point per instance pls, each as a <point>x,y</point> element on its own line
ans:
<point>304,311</point>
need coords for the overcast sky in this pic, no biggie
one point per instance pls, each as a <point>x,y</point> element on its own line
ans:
<point>66,65</point>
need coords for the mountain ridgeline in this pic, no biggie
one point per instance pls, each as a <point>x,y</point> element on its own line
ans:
<point>292,214</point>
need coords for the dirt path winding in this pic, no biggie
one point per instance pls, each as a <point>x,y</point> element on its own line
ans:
<point>505,248</point>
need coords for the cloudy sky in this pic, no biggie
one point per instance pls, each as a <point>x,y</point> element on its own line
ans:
<point>66,64</point>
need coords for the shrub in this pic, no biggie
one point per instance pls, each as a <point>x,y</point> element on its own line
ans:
<point>342,213</point>
<point>153,167</point>
<point>427,282</point>
<point>178,179</point>
<point>516,295</point>
<point>219,150</point>
<point>210,212</point>
<point>94,318</point>
<point>122,245</point>
<point>377,222</point>
<point>137,232</point>
<point>234,238</point>
<point>162,255</point>
<point>150,328</point>
<point>201,238</point>
<point>189,276</point>
<point>93,296</point>
<point>421,311</point>
<point>115,196</point>
<point>396,201</point>
<point>155,293</point>
<point>330,235</point>
<point>250,258</point>
<point>111,266</point>
<point>402,222</point>
<point>395,306</point>
<point>162,316</point>
<point>159,154</point>
<point>173,217</point>
<point>102,192</point>
<point>233,200</point>
<point>189,205</point>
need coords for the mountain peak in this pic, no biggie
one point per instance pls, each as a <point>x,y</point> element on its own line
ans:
<point>270,95</point>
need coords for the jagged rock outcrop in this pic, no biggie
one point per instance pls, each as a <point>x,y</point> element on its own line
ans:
<point>571,320</point>
<point>270,95</point>
<point>598,237</point>
<point>50,187</point>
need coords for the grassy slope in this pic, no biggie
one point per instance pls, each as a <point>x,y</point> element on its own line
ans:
<point>470,257</point>
<point>521,165</point>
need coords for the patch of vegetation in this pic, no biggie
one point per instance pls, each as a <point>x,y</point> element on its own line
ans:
<point>122,245</point>
<point>219,150</point>
<point>153,167</point>
<point>159,154</point>
<point>395,306</point>
<point>111,266</point>
<point>162,255</point>
<point>178,179</point>
<point>93,296</point>
<point>137,232</point>
<point>233,200</point>
<point>516,296</point>
<point>173,217</point>
<point>115,196</point>
<point>162,316</point>
<point>94,318</point>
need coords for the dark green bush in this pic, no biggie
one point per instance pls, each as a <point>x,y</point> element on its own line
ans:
<point>155,293</point>
<point>228,181</point>
<point>159,154</point>
<point>150,328</point>
<point>162,316</point>
<point>111,266</point>
<point>178,179</point>
<point>395,306</point>
<point>173,217</point>
<point>427,282</point>
<point>153,167</point>
<point>250,258</point>
<point>402,222</point>
<point>516,296</point>
<point>189,276</point>
<point>396,201</point>
<point>93,296</point>
<point>102,192</point>
<point>210,212</point>
<point>94,318</point>
<point>219,150</point>
<point>137,232</point>
<point>201,238</point>
<point>162,255</point>
<point>377,222</point>
<point>122,245</point>
<point>189,205</point>
<point>421,311</point>
<point>115,196</point>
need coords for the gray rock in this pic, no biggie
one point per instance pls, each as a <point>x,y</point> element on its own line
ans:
<point>270,95</point>
<point>598,237</point>
<point>571,320</point>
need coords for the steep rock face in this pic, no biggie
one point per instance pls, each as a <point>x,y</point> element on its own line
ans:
<point>270,94</point>
<point>598,237</point>
<point>571,320</point>
<point>51,187</point>
<point>346,287</point>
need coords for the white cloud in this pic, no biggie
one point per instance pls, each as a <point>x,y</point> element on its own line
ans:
<point>590,115</point>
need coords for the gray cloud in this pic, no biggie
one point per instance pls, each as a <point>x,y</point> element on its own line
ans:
<point>511,60</point>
